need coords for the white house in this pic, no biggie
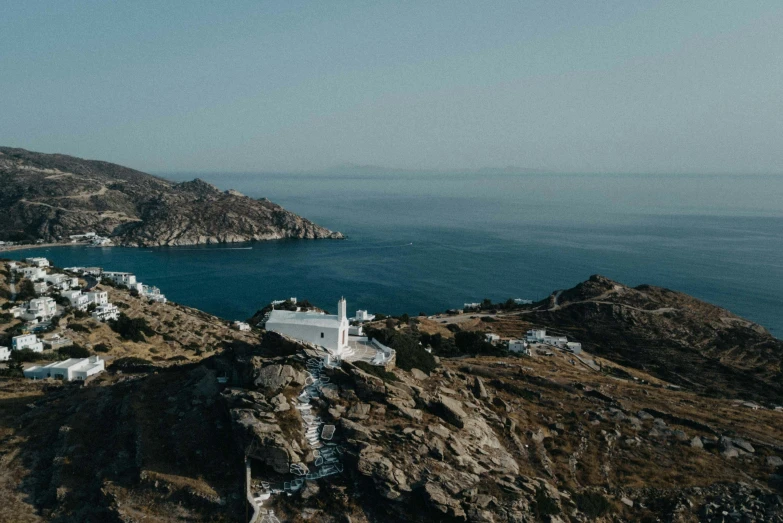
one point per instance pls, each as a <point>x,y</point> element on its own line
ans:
<point>518,346</point>
<point>78,369</point>
<point>535,336</point>
<point>241,326</point>
<point>327,330</point>
<point>574,347</point>
<point>5,354</point>
<point>33,273</point>
<point>55,278</point>
<point>77,300</point>
<point>557,341</point>
<point>27,341</point>
<point>492,338</point>
<point>121,278</point>
<point>362,316</point>
<point>468,306</point>
<point>44,308</point>
<point>41,287</point>
<point>98,297</point>
<point>106,312</point>
<point>38,262</point>
<point>153,293</point>
<point>17,311</point>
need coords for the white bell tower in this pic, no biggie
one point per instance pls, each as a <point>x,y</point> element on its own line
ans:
<point>342,310</point>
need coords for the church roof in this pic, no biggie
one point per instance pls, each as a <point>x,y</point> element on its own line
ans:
<point>304,318</point>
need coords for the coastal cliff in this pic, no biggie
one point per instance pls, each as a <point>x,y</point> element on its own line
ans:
<point>52,196</point>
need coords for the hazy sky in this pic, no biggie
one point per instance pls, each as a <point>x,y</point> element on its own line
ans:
<point>640,86</point>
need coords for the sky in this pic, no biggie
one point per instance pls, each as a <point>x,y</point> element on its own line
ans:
<point>244,86</point>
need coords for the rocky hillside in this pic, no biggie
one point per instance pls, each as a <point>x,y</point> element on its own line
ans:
<point>51,196</point>
<point>485,439</point>
<point>479,440</point>
<point>669,334</point>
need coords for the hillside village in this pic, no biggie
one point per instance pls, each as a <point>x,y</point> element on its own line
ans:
<point>483,414</point>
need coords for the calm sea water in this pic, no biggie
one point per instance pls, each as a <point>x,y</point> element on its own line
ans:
<point>429,242</point>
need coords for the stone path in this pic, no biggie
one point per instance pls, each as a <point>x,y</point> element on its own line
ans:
<point>319,438</point>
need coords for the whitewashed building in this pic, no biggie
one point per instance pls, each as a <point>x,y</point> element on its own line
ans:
<point>37,262</point>
<point>5,354</point>
<point>327,330</point>
<point>44,308</point>
<point>491,338</point>
<point>574,347</point>
<point>121,278</point>
<point>241,326</point>
<point>518,346</point>
<point>32,273</point>
<point>153,293</point>
<point>362,316</point>
<point>77,300</point>
<point>72,369</point>
<point>41,287</point>
<point>27,341</point>
<point>97,297</point>
<point>535,336</point>
<point>469,306</point>
<point>105,312</point>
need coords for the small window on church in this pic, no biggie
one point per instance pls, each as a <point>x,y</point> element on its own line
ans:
<point>322,334</point>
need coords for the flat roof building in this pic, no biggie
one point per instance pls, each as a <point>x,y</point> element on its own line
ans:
<point>72,369</point>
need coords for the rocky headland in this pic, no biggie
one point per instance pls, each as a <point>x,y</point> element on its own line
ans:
<point>49,197</point>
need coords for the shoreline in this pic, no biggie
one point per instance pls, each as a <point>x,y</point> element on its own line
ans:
<point>38,246</point>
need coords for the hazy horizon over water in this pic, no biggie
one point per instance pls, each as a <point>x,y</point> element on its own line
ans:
<point>433,241</point>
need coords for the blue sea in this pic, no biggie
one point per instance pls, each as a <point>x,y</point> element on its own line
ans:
<point>425,242</point>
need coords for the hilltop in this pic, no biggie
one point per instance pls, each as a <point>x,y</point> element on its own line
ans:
<point>481,436</point>
<point>52,196</point>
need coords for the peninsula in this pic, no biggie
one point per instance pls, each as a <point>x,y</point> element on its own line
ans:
<point>50,198</point>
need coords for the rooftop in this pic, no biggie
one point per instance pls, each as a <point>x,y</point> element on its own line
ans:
<point>304,318</point>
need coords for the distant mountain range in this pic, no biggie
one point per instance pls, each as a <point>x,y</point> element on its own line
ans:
<point>52,196</point>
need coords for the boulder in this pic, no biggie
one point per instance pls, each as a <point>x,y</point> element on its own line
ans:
<point>479,390</point>
<point>501,404</point>
<point>273,378</point>
<point>696,443</point>
<point>358,411</point>
<point>442,502</point>
<point>419,375</point>
<point>774,461</point>
<point>280,403</point>
<point>450,410</point>
<point>743,445</point>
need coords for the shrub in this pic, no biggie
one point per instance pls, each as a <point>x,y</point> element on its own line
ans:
<point>593,504</point>
<point>133,329</point>
<point>131,364</point>
<point>25,291</point>
<point>73,351</point>
<point>376,370</point>
<point>77,327</point>
<point>474,342</point>
<point>101,347</point>
<point>544,505</point>
<point>26,355</point>
<point>410,354</point>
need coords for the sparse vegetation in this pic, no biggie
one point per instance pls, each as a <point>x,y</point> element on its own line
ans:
<point>134,329</point>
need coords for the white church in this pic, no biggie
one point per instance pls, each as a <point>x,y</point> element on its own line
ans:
<point>327,330</point>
